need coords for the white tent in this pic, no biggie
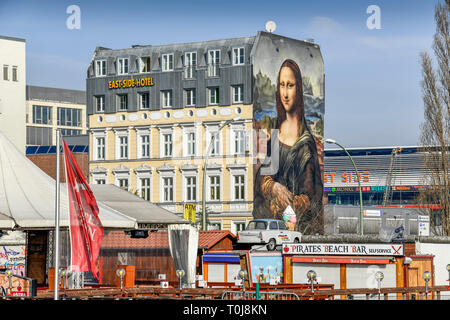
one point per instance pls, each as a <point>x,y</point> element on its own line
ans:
<point>27,195</point>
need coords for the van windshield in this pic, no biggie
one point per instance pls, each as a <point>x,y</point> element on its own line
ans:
<point>257,225</point>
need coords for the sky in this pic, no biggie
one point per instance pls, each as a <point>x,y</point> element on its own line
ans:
<point>372,75</point>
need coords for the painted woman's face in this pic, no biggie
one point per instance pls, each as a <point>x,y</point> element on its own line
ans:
<point>288,88</point>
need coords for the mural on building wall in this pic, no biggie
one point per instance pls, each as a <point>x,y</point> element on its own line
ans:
<point>288,117</point>
<point>13,258</point>
<point>266,269</point>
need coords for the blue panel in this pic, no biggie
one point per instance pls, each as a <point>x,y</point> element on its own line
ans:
<point>31,150</point>
<point>52,149</point>
<point>42,150</point>
<point>221,258</point>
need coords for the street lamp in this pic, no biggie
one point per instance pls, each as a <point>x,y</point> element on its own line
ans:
<point>120,273</point>
<point>361,222</point>
<point>180,274</point>
<point>204,169</point>
<point>427,277</point>
<point>311,275</point>
<point>379,276</point>
<point>242,275</point>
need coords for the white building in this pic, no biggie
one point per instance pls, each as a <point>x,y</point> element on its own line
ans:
<point>12,90</point>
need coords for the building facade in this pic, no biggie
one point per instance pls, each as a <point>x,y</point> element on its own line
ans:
<point>154,110</point>
<point>12,90</point>
<point>48,109</point>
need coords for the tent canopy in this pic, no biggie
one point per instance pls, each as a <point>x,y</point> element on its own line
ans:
<point>27,195</point>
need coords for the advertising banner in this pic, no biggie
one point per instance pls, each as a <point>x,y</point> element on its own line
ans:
<point>344,249</point>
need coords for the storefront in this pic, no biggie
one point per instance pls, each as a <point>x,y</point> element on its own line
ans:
<point>349,266</point>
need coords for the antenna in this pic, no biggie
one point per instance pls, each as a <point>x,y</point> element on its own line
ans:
<point>270,26</point>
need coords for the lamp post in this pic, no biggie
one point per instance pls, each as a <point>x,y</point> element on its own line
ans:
<point>361,221</point>
<point>204,170</point>
<point>427,277</point>
<point>379,276</point>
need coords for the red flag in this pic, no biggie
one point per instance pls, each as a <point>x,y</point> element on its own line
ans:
<point>86,229</point>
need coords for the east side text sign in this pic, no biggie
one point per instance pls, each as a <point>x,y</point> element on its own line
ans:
<point>343,249</point>
<point>130,83</point>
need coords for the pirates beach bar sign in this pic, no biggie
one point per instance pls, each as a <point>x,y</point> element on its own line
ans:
<point>344,249</point>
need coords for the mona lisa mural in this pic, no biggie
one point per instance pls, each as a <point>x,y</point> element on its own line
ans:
<point>288,112</point>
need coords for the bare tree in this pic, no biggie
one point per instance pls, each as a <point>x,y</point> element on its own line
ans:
<point>435,130</point>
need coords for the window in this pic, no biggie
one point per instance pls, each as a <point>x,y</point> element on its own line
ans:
<point>14,73</point>
<point>214,188</point>
<point>122,102</point>
<point>239,187</point>
<point>238,56</point>
<point>123,147</point>
<point>123,65</point>
<point>190,97</point>
<point>69,117</point>
<point>99,102</point>
<point>5,72</point>
<point>145,146</point>
<point>100,68</point>
<point>190,61</point>
<point>100,150</point>
<point>166,98</point>
<point>144,100</point>
<point>213,95</point>
<point>167,189</point>
<point>145,188</point>
<point>237,226</point>
<point>123,183</point>
<point>191,188</point>
<point>144,64</point>
<point>239,141</point>
<point>100,181</point>
<point>190,141</point>
<point>238,94</point>
<point>167,144</point>
<point>167,62</point>
<point>214,226</point>
<point>213,138</point>
<point>273,225</point>
<point>42,115</point>
<point>213,63</point>
<point>70,132</point>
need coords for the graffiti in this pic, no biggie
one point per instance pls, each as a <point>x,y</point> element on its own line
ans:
<point>13,258</point>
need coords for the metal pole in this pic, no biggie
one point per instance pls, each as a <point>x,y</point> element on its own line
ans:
<point>56,240</point>
<point>361,221</point>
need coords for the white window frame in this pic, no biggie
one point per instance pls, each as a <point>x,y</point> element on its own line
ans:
<point>238,142</point>
<point>121,173</point>
<point>140,100</point>
<point>210,132</point>
<point>6,72</point>
<point>167,62</point>
<point>166,98</point>
<point>95,137</point>
<point>237,90</point>
<point>234,224</point>
<point>99,173</point>
<point>163,188</point>
<point>144,172</point>
<point>15,74</point>
<point>140,134</point>
<point>190,63</point>
<point>238,56</point>
<point>188,186</point>
<point>211,175</point>
<point>123,66</point>
<point>238,169</point>
<point>162,132</point>
<point>190,146</point>
<point>190,97</point>
<point>119,104</point>
<point>118,135</point>
<point>100,68</point>
<point>213,92</point>
<point>143,64</point>
<point>213,62</point>
<point>100,98</point>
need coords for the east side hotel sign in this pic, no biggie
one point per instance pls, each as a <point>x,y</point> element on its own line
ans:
<point>130,83</point>
<point>344,249</point>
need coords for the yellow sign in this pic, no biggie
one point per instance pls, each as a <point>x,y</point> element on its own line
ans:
<point>190,211</point>
<point>130,83</point>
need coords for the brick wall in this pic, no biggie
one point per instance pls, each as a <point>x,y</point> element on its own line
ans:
<point>47,163</point>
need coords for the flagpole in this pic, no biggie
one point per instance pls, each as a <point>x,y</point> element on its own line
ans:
<point>56,239</point>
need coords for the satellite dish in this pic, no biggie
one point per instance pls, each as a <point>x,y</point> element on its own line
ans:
<point>270,26</point>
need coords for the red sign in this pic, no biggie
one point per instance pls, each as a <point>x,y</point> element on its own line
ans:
<point>341,260</point>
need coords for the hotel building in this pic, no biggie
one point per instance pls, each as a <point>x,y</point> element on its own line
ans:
<point>153,112</point>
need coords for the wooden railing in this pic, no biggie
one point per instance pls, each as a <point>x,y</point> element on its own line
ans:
<point>305,293</point>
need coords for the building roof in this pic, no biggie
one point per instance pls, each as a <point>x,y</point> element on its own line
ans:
<point>55,95</point>
<point>133,206</point>
<point>12,38</point>
<point>159,239</point>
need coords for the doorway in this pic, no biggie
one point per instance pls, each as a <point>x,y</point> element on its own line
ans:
<point>37,256</point>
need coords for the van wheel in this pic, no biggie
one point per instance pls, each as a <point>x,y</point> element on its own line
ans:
<point>271,245</point>
<point>296,240</point>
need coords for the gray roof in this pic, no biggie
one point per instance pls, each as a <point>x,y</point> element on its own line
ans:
<point>12,38</point>
<point>133,206</point>
<point>56,94</point>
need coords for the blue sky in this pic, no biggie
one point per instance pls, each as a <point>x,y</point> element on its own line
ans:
<point>372,87</point>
